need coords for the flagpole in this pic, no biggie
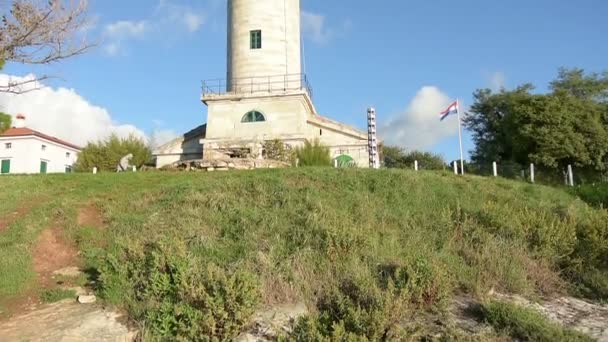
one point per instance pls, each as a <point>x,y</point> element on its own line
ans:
<point>460,136</point>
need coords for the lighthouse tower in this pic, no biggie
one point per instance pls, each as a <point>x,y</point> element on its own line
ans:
<point>263,41</point>
<point>265,95</point>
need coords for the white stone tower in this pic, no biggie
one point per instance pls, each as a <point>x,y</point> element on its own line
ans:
<point>263,45</point>
<point>266,95</point>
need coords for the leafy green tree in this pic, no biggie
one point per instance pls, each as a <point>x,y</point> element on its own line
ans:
<point>5,122</point>
<point>313,154</point>
<point>569,125</point>
<point>106,154</point>
<point>396,157</point>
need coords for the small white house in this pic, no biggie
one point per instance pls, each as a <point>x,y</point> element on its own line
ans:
<point>26,151</point>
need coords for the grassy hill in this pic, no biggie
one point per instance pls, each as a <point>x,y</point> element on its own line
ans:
<point>196,254</point>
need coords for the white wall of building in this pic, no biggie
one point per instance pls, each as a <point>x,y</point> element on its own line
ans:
<point>285,117</point>
<point>26,154</point>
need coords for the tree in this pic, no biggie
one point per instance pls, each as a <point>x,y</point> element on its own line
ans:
<point>41,32</point>
<point>106,154</point>
<point>566,126</point>
<point>396,157</point>
<point>5,122</point>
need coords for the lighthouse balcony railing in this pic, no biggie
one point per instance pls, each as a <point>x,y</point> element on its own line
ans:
<point>275,84</point>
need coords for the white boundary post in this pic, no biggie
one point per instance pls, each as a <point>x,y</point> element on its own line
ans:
<point>415,165</point>
<point>134,168</point>
<point>455,167</point>
<point>495,169</point>
<point>95,170</point>
<point>532,173</point>
<point>570,175</point>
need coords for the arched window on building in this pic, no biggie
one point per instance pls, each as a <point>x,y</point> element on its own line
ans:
<point>253,116</point>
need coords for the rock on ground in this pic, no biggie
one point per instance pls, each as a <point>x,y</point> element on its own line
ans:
<point>66,321</point>
<point>588,318</point>
<point>71,271</point>
<point>268,325</point>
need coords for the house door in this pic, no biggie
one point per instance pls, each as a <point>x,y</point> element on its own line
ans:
<point>43,165</point>
<point>5,167</point>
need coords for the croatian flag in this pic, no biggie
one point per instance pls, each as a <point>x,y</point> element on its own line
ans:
<point>452,109</point>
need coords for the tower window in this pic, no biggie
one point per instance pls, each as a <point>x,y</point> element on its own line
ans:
<point>256,39</point>
<point>253,116</point>
<point>8,146</point>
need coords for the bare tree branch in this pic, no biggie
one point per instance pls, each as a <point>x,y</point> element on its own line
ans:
<point>41,32</point>
<point>22,86</point>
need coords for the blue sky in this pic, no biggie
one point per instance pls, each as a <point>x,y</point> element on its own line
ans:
<point>406,58</point>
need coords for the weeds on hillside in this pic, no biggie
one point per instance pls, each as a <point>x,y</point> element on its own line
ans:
<point>56,295</point>
<point>177,297</point>
<point>526,324</point>
<point>594,194</point>
<point>313,154</point>
<point>372,306</point>
<point>198,253</point>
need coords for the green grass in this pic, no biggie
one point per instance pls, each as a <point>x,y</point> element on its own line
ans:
<point>526,324</point>
<point>594,194</point>
<point>56,295</point>
<point>365,247</point>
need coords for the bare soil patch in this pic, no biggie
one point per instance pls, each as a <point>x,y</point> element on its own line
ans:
<point>90,216</point>
<point>52,253</point>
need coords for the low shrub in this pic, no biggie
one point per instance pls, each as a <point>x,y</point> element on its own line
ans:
<point>594,194</point>
<point>277,150</point>
<point>177,297</point>
<point>313,154</point>
<point>354,310</point>
<point>424,283</point>
<point>396,157</point>
<point>526,324</point>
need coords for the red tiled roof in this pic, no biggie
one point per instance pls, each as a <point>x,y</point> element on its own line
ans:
<point>24,131</point>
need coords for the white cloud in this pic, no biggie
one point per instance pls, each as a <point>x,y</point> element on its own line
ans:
<point>418,127</point>
<point>63,113</point>
<point>497,80</point>
<point>314,26</point>
<point>168,17</point>
<point>126,29</point>
<point>193,21</point>
<point>162,136</point>
<point>173,14</point>
<point>118,33</point>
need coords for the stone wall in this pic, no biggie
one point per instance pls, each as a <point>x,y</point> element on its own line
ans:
<point>226,164</point>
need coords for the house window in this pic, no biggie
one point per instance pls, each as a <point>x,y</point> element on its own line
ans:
<point>68,169</point>
<point>5,166</point>
<point>8,146</point>
<point>320,132</point>
<point>253,116</point>
<point>67,154</point>
<point>44,147</point>
<point>256,39</point>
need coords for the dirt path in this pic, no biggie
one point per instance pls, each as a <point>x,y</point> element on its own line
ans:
<point>66,321</point>
<point>52,253</point>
